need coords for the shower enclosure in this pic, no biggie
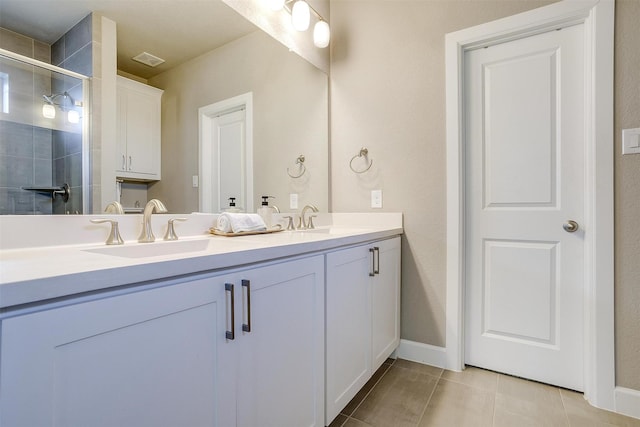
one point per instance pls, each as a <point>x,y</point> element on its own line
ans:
<point>44,125</point>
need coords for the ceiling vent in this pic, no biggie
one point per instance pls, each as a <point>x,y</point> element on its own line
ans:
<point>148,59</point>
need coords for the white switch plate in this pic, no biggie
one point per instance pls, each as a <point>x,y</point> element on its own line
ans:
<point>293,201</point>
<point>376,198</point>
<point>194,181</point>
<point>631,141</point>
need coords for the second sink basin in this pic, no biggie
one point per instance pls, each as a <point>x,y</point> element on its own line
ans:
<point>335,230</point>
<point>161,248</point>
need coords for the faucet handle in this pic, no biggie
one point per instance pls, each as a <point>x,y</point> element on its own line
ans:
<point>310,224</point>
<point>290,225</point>
<point>171,232</point>
<point>114,235</point>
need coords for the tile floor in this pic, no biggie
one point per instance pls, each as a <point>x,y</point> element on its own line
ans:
<point>407,394</point>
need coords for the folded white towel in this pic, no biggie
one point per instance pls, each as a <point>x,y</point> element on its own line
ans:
<point>239,222</point>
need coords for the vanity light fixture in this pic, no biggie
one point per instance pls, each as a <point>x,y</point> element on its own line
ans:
<point>321,34</point>
<point>300,15</point>
<point>300,18</point>
<point>49,111</point>
<point>67,105</point>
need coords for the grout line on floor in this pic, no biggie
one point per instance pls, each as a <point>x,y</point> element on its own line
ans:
<point>424,411</point>
<point>564,408</point>
<point>369,392</point>
<point>495,399</point>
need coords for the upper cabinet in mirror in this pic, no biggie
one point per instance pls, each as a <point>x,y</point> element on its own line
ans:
<point>211,54</point>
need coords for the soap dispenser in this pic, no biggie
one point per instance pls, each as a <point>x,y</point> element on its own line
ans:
<point>265,211</point>
<point>232,206</point>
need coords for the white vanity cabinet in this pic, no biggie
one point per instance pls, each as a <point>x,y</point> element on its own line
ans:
<point>174,355</point>
<point>138,151</point>
<point>362,317</point>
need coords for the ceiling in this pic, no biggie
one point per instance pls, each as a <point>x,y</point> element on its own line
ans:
<point>174,30</point>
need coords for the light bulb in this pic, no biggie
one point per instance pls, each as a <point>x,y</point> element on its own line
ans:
<point>321,34</point>
<point>276,5</point>
<point>73,116</point>
<point>49,111</point>
<point>300,15</point>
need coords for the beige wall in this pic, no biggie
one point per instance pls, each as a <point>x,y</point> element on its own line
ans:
<point>388,93</point>
<point>290,100</point>
<point>627,196</point>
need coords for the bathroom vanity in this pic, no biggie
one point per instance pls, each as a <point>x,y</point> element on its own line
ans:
<point>270,330</point>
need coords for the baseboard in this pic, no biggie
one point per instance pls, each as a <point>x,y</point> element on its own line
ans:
<point>421,353</point>
<point>627,402</point>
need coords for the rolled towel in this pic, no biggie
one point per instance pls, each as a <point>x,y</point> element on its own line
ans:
<point>239,222</point>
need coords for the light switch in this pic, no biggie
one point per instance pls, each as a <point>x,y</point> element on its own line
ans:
<point>194,181</point>
<point>376,198</point>
<point>631,141</point>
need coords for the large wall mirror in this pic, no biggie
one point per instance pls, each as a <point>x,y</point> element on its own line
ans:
<point>213,54</point>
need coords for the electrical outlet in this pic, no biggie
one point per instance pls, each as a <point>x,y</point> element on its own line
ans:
<point>376,198</point>
<point>293,201</point>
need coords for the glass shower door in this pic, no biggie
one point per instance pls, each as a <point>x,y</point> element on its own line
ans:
<point>42,139</point>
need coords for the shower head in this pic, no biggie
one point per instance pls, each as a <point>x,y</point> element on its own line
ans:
<point>67,100</point>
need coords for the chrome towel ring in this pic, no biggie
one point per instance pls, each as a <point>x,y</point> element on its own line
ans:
<point>364,152</point>
<point>302,167</point>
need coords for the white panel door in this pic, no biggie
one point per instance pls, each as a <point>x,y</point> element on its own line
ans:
<point>524,181</point>
<point>229,161</point>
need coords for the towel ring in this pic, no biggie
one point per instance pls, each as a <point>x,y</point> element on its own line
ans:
<point>363,153</point>
<point>303,168</point>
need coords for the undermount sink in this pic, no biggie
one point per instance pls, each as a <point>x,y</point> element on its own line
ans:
<point>160,248</point>
<point>334,230</point>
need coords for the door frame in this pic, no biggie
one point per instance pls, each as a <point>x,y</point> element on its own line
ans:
<point>598,19</point>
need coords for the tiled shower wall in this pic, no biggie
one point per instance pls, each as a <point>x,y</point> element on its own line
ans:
<point>31,153</point>
<point>25,147</point>
<point>73,51</point>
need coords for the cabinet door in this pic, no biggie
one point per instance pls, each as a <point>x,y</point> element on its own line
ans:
<point>142,132</point>
<point>121,129</point>
<point>281,360</point>
<point>138,153</point>
<point>348,326</point>
<point>151,358</point>
<point>385,291</point>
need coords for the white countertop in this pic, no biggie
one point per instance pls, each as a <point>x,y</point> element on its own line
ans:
<point>33,274</point>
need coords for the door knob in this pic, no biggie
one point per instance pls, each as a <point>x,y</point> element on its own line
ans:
<point>570,226</point>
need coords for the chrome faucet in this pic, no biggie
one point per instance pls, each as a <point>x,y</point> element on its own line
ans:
<point>307,224</point>
<point>147,234</point>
